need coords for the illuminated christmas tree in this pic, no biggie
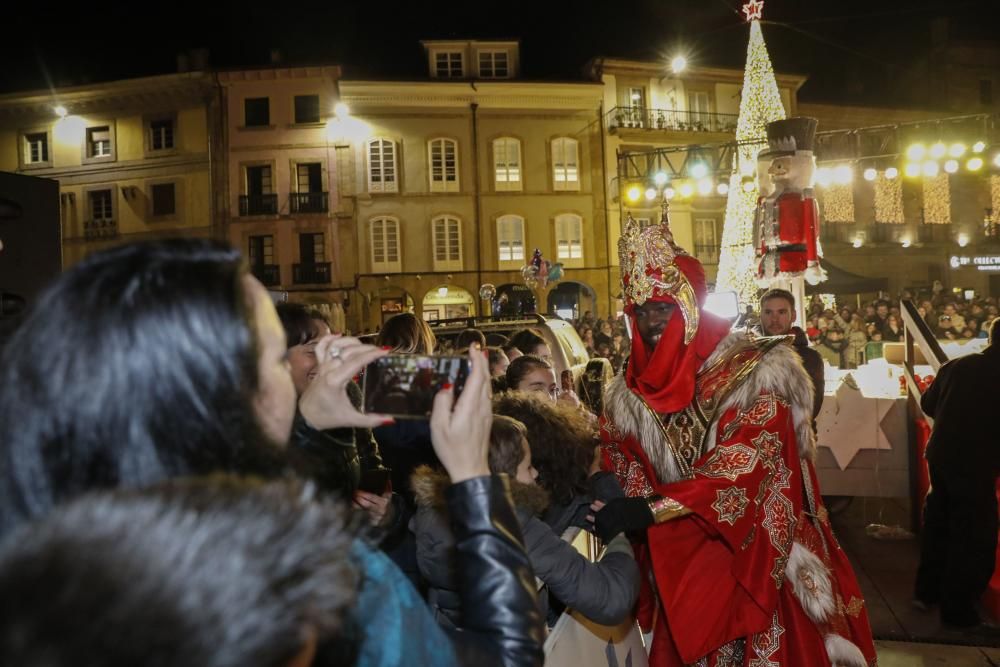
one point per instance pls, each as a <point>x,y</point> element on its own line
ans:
<point>760,104</point>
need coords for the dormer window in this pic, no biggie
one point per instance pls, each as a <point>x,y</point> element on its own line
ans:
<point>494,65</point>
<point>448,65</point>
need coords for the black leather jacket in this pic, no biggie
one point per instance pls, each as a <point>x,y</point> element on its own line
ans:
<point>502,623</point>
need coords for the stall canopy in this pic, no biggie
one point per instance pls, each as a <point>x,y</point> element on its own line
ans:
<point>839,281</point>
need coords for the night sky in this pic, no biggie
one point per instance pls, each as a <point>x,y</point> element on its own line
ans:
<point>849,48</point>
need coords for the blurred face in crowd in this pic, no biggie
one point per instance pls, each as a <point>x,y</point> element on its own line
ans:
<point>542,351</point>
<point>651,319</point>
<point>776,316</point>
<point>606,328</point>
<point>541,380</point>
<point>882,310</point>
<point>302,358</point>
<point>949,309</point>
<point>833,335</point>
<point>500,367</point>
<point>275,400</point>
<point>526,473</point>
<point>869,311</point>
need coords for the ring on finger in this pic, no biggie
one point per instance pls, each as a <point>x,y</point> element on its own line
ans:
<point>334,353</point>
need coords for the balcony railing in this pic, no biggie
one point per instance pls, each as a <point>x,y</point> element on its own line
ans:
<point>309,202</point>
<point>268,274</point>
<point>315,273</point>
<point>670,120</point>
<point>100,229</point>
<point>258,204</point>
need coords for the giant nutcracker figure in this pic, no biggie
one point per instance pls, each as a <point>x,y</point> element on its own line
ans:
<point>709,433</point>
<point>787,218</point>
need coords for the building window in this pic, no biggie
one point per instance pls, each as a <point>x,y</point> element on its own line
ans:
<point>36,148</point>
<point>259,180</point>
<point>256,112</point>
<point>986,92</point>
<point>99,141</point>
<point>493,65</point>
<point>448,65</point>
<point>510,238</point>
<point>443,158</point>
<point>307,108</point>
<point>569,237</point>
<point>261,250</point>
<point>259,198</point>
<point>102,207</point>
<point>382,166</point>
<point>385,252</point>
<point>164,200</point>
<point>309,177</point>
<point>706,241</point>
<point>698,106</point>
<point>447,232</point>
<point>312,248</point>
<point>507,163</point>
<point>161,134</point>
<point>565,164</point>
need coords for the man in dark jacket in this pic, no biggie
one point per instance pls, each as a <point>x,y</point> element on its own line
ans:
<point>959,539</point>
<point>777,312</point>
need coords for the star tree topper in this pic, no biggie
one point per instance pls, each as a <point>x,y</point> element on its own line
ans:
<point>753,10</point>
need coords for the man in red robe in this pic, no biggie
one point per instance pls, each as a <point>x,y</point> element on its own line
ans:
<point>709,434</point>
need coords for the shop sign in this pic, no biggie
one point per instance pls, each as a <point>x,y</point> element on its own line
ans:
<point>982,262</point>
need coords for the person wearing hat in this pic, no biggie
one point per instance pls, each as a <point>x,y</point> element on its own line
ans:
<point>709,434</point>
<point>787,217</point>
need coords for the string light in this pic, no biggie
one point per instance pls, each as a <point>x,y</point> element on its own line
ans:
<point>979,147</point>
<point>891,173</point>
<point>912,169</point>
<point>824,177</point>
<point>837,203</point>
<point>889,200</point>
<point>951,166</point>
<point>650,194</point>
<point>937,200</point>
<point>686,190</point>
<point>870,174</point>
<point>698,170</point>
<point>974,164</point>
<point>930,169</point>
<point>705,187</point>
<point>916,152</point>
<point>996,160</point>
<point>722,189</point>
<point>995,198</point>
<point>634,193</point>
<point>669,193</point>
<point>958,150</point>
<point>760,104</point>
<point>660,179</point>
<point>843,174</point>
<point>938,150</point>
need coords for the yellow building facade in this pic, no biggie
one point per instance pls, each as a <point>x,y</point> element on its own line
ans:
<point>132,158</point>
<point>453,184</point>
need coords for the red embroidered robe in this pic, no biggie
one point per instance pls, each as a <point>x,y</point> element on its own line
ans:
<point>754,575</point>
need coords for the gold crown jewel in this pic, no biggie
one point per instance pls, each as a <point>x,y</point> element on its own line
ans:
<point>648,269</point>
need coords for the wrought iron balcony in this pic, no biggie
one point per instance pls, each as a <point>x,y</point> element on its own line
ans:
<point>258,204</point>
<point>317,273</point>
<point>309,202</point>
<point>268,274</point>
<point>670,120</point>
<point>100,229</point>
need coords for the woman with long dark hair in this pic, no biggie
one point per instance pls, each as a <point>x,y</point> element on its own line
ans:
<point>152,361</point>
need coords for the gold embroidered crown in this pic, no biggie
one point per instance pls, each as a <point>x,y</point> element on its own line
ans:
<point>649,270</point>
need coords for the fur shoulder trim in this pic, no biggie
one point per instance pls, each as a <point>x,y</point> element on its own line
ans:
<point>632,418</point>
<point>779,372</point>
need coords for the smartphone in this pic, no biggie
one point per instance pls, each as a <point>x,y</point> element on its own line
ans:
<point>375,481</point>
<point>404,385</point>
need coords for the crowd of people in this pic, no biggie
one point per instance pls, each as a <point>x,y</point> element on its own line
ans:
<point>187,466</point>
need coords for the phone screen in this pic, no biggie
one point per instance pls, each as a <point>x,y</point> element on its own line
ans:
<point>404,385</point>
